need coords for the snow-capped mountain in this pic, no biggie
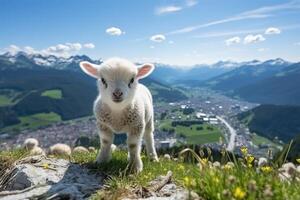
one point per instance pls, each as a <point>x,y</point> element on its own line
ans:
<point>24,60</point>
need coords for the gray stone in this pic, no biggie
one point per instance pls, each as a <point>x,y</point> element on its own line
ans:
<point>49,178</point>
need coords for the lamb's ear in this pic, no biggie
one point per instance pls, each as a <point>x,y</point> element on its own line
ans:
<point>145,70</point>
<point>89,68</point>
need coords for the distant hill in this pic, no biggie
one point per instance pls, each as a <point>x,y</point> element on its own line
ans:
<point>273,121</point>
<point>281,88</point>
<point>191,75</point>
<point>247,73</point>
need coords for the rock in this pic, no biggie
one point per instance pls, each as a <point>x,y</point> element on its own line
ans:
<point>30,143</point>
<point>92,149</point>
<point>217,164</point>
<point>60,150</point>
<point>113,148</point>
<point>169,191</point>
<point>47,177</point>
<point>37,151</point>
<point>262,162</point>
<point>289,168</point>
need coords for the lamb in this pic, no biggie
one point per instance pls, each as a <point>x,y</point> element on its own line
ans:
<point>123,105</point>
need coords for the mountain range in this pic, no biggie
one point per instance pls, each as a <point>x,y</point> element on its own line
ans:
<point>269,82</point>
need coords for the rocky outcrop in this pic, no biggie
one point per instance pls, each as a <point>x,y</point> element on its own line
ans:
<point>39,177</point>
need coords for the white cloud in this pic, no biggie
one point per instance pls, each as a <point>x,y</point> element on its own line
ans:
<point>253,39</point>
<point>89,46</point>
<point>272,30</point>
<point>191,3</point>
<point>152,47</point>
<point>262,12</point>
<point>63,50</point>
<point>74,46</point>
<point>167,9</point>
<point>262,49</point>
<point>233,40</point>
<point>171,42</point>
<point>114,31</point>
<point>158,38</point>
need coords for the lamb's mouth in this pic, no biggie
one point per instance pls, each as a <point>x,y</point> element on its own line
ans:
<point>117,100</point>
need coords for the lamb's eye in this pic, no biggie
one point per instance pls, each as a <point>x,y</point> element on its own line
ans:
<point>103,81</point>
<point>130,82</point>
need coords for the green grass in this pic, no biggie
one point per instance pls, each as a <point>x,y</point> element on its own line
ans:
<point>5,100</point>
<point>54,94</point>
<point>194,136</point>
<point>222,183</point>
<point>34,121</point>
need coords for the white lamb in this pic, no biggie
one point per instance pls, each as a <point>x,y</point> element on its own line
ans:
<point>123,105</point>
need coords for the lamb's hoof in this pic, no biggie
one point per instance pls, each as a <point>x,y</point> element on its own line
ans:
<point>136,167</point>
<point>101,160</point>
<point>155,159</point>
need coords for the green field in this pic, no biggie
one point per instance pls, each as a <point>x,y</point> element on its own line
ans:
<point>259,140</point>
<point>34,121</point>
<point>8,97</point>
<point>54,94</point>
<point>208,134</point>
<point>5,100</point>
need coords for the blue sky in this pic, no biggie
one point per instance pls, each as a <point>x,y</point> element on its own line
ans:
<point>181,32</point>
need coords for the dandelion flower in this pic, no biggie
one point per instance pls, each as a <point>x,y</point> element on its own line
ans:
<point>231,179</point>
<point>239,193</point>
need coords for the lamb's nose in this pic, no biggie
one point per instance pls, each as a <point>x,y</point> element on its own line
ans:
<point>117,93</point>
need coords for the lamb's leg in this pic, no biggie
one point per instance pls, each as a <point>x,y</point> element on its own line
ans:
<point>149,141</point>
<point>106,140</point>
<point>134,148</point>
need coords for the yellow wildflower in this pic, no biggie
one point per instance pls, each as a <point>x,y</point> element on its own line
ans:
<point>249,159</point>
<point>298,160</point>
<point>239,193</point>
<point>244,150</point>
<point>45,165</point>
<point>181,167</point>
<point>266,169</point>
<point>228,167</point>
<point>204,161</point>
<point>216,180</point>
<point>188,181</point>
